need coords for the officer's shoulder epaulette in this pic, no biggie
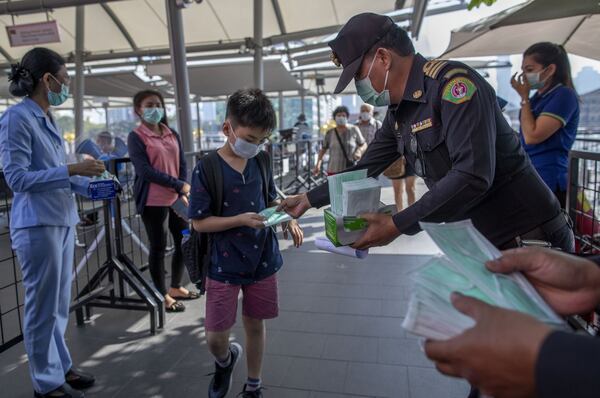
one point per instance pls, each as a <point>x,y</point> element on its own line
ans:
<point>432,68</point>
<point>455,71</point>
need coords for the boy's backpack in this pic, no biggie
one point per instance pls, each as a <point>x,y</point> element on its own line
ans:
<point>197,249</point>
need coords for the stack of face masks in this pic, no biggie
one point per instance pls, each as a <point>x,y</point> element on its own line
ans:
<point>462,269</point>
<point>360,197</point>
<point>274,217</point>
<point>336,185</point>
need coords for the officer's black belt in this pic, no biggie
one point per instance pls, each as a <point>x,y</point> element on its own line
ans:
<point>540,233</point>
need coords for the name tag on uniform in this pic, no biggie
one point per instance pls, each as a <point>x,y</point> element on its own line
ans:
<point>422,125</point>
<point>102,189</point>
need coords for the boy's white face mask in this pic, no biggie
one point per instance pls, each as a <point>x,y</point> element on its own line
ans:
<point>243,148</point>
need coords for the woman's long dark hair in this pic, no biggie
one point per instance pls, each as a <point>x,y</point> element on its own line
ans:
<point>546,53</point>
<point>142,95</point>
<point>25,76</point>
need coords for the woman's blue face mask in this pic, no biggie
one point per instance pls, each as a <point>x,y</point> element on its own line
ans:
<point>57,99</point>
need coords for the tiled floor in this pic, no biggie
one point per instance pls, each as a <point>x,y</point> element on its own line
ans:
<point>339,334</point>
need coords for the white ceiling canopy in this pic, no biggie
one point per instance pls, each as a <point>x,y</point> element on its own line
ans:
<point>144,22</point>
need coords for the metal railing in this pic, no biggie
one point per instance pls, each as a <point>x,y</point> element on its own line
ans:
<point>583,199</point>
<point>111,253</point>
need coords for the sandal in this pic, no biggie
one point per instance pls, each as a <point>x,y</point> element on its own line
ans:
<point>189,296</point>
<point>175,307</point>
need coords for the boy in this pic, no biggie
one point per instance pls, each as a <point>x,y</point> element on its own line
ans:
<point>244,254</point>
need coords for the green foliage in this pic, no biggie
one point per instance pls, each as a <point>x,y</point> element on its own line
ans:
<point>477,3</point>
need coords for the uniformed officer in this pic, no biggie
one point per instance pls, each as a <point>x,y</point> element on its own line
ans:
<point>445,119</point>
<point>44,216</point>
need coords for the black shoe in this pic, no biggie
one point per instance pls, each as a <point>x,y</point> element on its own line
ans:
<point>223,377</point>
<point>79,380</point>
<point>251,394</point>
<point>64,391</point>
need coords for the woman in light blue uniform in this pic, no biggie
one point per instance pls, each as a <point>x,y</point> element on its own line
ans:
<point>549,119</point>
<point>44,216</point>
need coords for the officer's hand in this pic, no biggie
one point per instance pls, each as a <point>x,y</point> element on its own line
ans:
<point>497,355</point>
<point>521,85</point>
<point>569,284</point>
<point>87,168</point>
<point>295,205</point>
<point>381,231</point>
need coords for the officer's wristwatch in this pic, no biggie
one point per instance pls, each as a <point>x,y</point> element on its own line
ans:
<point>524,102</point>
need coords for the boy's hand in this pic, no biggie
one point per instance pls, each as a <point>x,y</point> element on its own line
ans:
<point>294,229</point>
<point>252,220</point>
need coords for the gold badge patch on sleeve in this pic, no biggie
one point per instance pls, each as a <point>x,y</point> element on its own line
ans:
<point>459,90</point>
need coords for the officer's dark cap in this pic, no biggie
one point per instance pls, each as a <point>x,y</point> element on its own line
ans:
<point>355,39</point>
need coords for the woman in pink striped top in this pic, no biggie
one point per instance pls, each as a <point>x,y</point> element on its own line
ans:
<point>160,180</point>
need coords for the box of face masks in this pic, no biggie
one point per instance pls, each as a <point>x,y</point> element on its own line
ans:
<point>351,194</point>
<point>345,230</point>
<point>103,187</point>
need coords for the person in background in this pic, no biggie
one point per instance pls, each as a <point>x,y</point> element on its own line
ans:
<point>345,144</point>
<point>303,130</point>
<point>510,354</point>
<point>549,119</point>
<point>402,175</point>
<point>104,139</point>
<point>377,116</point>
<point>245,255</point>
<point>367,124</point>
<point>157,156</point>
<point>44,216</point>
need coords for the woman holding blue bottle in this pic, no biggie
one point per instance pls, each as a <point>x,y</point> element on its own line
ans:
<point>44,215</point>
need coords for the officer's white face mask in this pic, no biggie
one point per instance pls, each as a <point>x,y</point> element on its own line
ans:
<point>364,88</point>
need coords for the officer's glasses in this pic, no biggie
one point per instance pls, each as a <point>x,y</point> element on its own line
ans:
<point>419,159</point>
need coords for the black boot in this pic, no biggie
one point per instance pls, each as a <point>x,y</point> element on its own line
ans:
<point>64,391</point>
<point>79,380</point>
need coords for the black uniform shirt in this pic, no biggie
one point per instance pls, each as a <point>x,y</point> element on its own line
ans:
<point>470,158</point>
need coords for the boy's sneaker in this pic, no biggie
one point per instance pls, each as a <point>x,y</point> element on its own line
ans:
<point>251,394</point>
<point>223,377</point>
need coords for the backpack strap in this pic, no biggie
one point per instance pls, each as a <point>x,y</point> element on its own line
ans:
<point>264,162</point>
<point>213,175</point>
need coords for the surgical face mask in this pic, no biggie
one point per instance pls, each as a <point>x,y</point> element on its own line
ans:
<point>243,148</point>
<point>535,80</point>
<point>467,251</point>
<point>57,99</point>
<point>368,94</point>
<point>153,115</point>
<point>341,120</point>
<point>365,116</point>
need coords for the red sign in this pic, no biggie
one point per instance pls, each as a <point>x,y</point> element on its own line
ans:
<point>33,34</point>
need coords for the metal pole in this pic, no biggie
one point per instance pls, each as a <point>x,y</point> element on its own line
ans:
<point>106,118</point>
<point>79,77</point>
<point>301,92</point>
<point>280,110</point>
<point>318,111</point>
<point>180,74</point>
<point>258,42</point>
<point>199,124</point>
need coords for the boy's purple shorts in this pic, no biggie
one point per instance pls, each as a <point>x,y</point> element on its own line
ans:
<point>259,301</point>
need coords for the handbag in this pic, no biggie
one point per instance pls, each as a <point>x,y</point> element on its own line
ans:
<point>396,169</point>
<point>349,162</point>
